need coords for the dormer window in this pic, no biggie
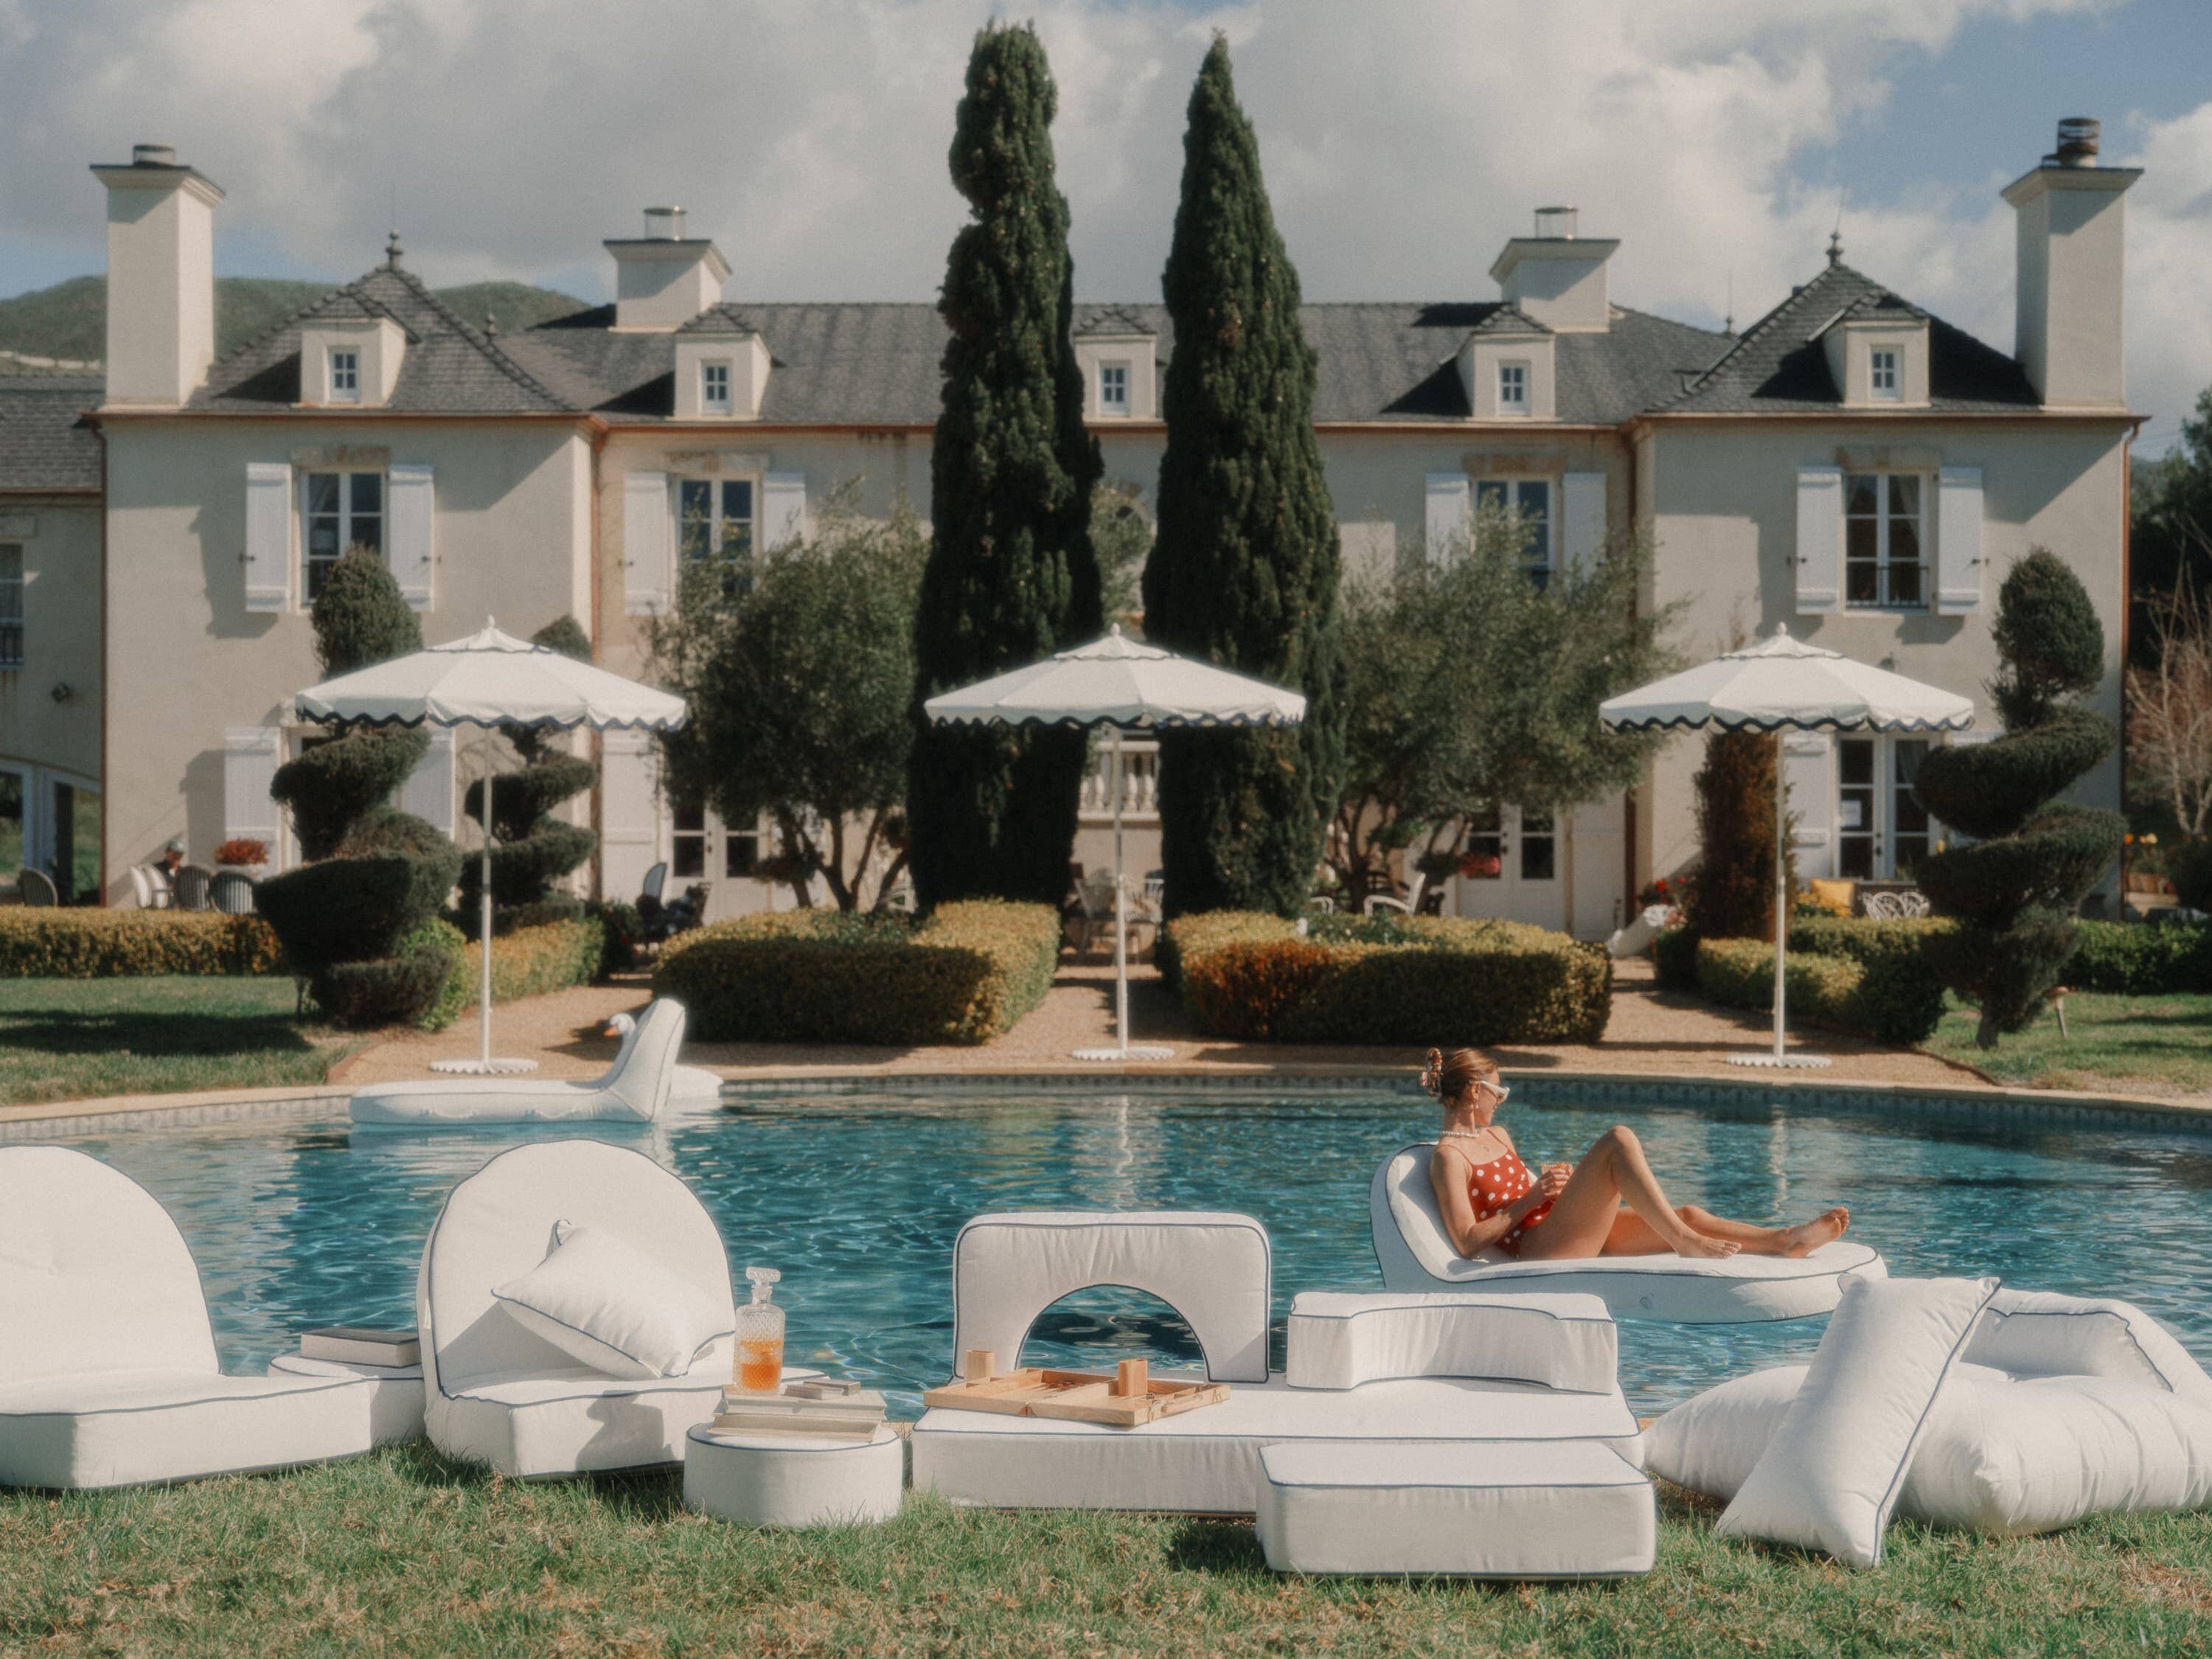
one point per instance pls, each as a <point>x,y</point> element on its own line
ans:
<point>1113,388</point>
<point>714,388</point>
<point>1883,378</point>
<point>1513,388</point>
<point>346,375</point>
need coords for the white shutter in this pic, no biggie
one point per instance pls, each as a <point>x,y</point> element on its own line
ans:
<point>1808,770</point>
<point>647,578</point>
<point>409,531</point>
<point>1581,520</point>
<point>268,535</point>
<point>429,790</point>
<point>783,510</point>
<point>1451,506</point>
<point>1820,539</point>
<point>630,815</point>
<point>250,757</point>
<point>1958,540</point>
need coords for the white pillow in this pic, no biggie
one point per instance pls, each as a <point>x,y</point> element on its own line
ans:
<point>1998,1456</point>
<point>613,1307</point>
<point>1829,1477</point>
<point>2048,1333</point>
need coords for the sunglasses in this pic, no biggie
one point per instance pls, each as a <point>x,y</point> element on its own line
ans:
<point>1503,1091</point>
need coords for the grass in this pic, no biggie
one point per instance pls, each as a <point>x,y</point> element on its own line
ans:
<point>73,1039</point>
<point>407,1553</point>
<point>2137,1045</point>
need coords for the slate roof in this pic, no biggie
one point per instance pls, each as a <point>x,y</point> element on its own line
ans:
<point>45,443</point>
<point>450,367</point>
<point>1779,365</point>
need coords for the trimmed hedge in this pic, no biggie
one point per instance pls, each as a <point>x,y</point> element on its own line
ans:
<point>1421,979</point>
<point>1739,973</point>
<point>529,962</point>
<point>963,974</point>
<point>1674,959</point>
<point>2131,959</point>
<point>2189,868</point>
<point>1900,998</point>
<point>89,944</point>
<point>351,910</point>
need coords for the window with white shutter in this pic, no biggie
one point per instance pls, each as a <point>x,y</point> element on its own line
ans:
<point>1958,540</point>
<point>1582,519</point>
<point>250,754</point>
<point>646,579</point>
<point>408,549</point>
<point>783,509</point>
<point>629,814</point>
<point>1808,772</point>
<point>1820,539</point>
<point>1451,506</point>
<point>268,535</point>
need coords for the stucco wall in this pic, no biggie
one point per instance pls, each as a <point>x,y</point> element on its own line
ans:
<point>60,539</point>
<point>1724,513</point>
<point>188,659</point>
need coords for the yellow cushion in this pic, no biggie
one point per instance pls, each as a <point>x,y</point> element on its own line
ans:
<point>1834,897</point>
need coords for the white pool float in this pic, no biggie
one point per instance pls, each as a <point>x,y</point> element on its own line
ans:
<point>1416,1254</point>
<point>635,1089</point>
<point>690,1086</point>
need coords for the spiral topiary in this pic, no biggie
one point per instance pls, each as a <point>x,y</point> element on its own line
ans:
<point>531,850</point>
<point>2014,889</point>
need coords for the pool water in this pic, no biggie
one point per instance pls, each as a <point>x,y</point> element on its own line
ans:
<point>857,1200</point>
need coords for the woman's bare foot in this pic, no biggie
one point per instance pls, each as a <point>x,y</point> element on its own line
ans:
<point>1699,1247</point>
<point>1823,1229</point>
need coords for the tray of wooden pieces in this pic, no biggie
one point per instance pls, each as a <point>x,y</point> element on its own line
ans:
<point>1131,1396</point>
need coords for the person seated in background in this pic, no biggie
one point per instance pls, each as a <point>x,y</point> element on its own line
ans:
<point>1610,1203</point>
<point>171,862</point>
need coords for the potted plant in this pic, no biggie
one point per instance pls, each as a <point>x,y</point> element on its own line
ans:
<point>243,853</point>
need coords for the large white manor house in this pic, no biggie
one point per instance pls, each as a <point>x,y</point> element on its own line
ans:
<point>1847,464</point>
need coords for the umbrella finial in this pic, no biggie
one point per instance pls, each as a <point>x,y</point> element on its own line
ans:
<point>1781,631</point>
<point>1115,631</point>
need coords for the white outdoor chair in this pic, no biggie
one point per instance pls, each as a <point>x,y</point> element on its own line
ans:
<point>231,892</point>
<point>1411,904</point>
<point>498,1393</point>
<point>1898,907</point>
<point>108,1374</point>
<point>1096,894</point>
<point>635,1089</point>
<point>141,887</point>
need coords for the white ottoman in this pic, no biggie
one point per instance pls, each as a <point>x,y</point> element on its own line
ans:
<point>395,1404</point>
<point>1561,1508</point>
<point>787,1481</point>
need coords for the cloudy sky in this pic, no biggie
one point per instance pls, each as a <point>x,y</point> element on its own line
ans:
<point>1403,141</point>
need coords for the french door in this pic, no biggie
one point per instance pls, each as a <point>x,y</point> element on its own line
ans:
<point>1516,855</point>
<point>1881,829</point>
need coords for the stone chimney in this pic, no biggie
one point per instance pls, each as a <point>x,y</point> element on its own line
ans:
<point>2071,227</point>
<point>1556,276</point>
<point>161,277</point>
<point>663,279</point>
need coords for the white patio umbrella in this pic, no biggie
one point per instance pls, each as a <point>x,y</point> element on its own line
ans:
<point>491,679</point>
<point>1778,685</point>
<point>1121,685</point>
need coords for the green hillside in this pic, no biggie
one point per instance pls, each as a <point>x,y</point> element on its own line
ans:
<point>70,319</point>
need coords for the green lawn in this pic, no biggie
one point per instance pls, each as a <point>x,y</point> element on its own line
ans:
<point>2134,1045</point>
<point>405,1552</point>
<point>71,1039</point>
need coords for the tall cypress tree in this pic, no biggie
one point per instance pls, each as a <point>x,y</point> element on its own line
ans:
<point>1245,569</point>
<point>1012,575</point>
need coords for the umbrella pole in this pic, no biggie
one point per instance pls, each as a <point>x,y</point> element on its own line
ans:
<point>1121,916</point>
<point>1781,893</point>
<point>483,936</point>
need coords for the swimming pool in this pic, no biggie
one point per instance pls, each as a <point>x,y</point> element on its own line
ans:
<point>857,1200</point>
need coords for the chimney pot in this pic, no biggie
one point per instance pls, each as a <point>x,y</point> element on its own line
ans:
<point>2077,140</point>
<point>663,224</point>
<point>1557,222</point>
<point>152,155</point>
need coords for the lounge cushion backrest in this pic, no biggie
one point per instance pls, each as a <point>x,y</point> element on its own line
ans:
<point>2048,1333</point>
<point>498,1224</point>
<point>1403,1216</point>
<point>644,1071</point>
<point>94,1274</point>
<point>1212,1267</point>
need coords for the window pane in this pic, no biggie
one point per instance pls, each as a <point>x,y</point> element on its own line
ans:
<point>737,516</point>
<point>1905,541</point>
<point>367,491</point>
<point>11,604</point>
<point>1855,858</point>
<point>1490,493</point>
<point>694,513</point>
<point>1862,492</point>
<point>1861,538</point>
<point>1854,761</point>
<point>687,857</point>
<point>740,854</point>
<point>11,820</point>
<point>1536,856</point>
<point>1905,585</point>
<point>1862,584</point>
<point>1905,494</point>
<point>322,492</point>
<point>366,532</point>
<point>689,817</point>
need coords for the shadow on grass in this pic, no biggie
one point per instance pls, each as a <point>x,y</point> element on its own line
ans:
<point>1216,1545</point>
<point>155,1036</point>
<point>632,1495</point>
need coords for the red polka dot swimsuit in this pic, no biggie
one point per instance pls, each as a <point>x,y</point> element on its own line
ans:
<point>1493,1188</point>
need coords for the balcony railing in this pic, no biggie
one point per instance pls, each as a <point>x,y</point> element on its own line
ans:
<point>1140,782</point>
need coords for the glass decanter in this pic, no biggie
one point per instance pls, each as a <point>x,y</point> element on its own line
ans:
<point>760,1336</point>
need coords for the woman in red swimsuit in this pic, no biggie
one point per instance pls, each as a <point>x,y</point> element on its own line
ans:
<point>1610,1203</point>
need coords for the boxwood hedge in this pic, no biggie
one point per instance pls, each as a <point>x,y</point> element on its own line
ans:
<point>89,944</point>
<point>962,975</point>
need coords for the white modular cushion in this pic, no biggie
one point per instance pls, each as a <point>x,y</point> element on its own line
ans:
<point>1340,1340</point>
<point>634,1089</point>
<point>1478,1509</point>
<point>1207,1461</point>
<point>1211,1268</point>
<point>793,1480</point>
<point>395,1392</point>
<point>501,1393</point>
<point>614,1308</point>
<point>2049,1333</point>
<point>1416,1254</point>
<point>1829,1478</point>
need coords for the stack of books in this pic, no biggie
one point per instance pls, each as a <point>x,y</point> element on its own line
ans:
<point>821,1409</point>
<point>361,1344</point>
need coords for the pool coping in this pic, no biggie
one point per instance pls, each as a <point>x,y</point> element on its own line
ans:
<point>1583,1086</point>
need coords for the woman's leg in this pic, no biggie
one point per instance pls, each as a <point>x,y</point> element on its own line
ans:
<point>1613,1173</point>
<point>1633,1236</point>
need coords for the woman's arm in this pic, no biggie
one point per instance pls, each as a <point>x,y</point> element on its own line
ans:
<point>1448,1175</point>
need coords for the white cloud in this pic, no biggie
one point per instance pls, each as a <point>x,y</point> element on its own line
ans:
<point>1403,142</point>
